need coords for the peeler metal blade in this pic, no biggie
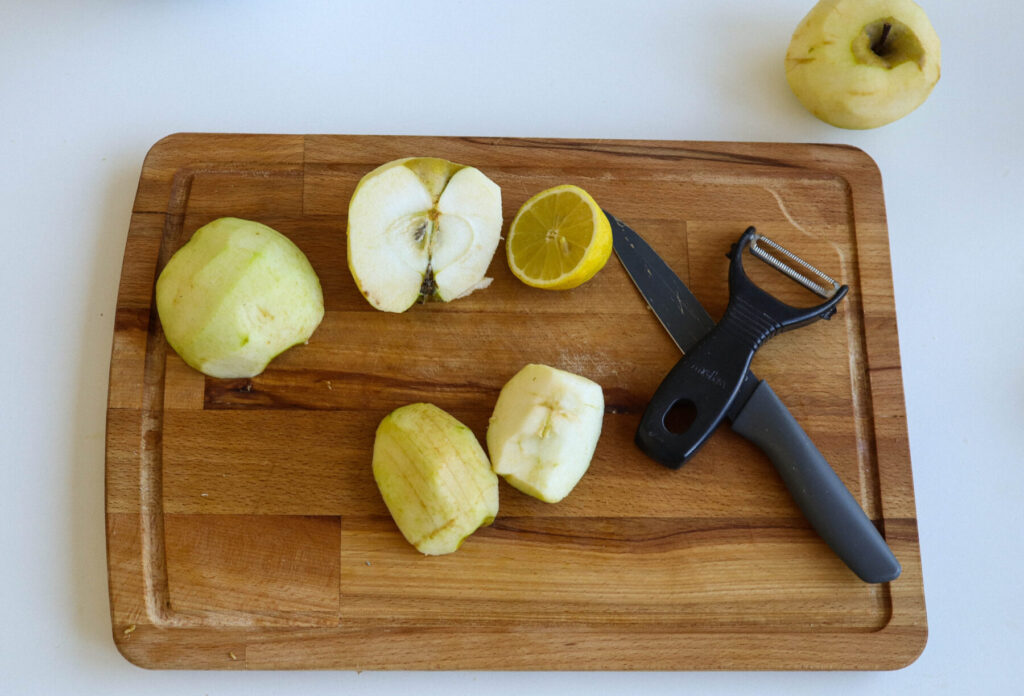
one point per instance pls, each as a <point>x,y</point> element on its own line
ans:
<point>785,261</point>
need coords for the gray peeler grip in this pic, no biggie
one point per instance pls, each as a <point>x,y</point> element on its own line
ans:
<point>817,490</point>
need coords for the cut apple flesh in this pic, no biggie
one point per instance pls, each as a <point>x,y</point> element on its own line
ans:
<point>544,430</point>
<point>422,227</point>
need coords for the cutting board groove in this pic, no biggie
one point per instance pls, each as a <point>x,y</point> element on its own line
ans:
<point>244,530</point>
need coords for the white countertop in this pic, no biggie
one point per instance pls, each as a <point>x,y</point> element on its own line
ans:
<point>87,87</point>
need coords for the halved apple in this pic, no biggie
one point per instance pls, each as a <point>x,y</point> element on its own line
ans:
<point>422,227</point>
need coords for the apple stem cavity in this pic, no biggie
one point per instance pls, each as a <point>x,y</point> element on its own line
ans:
<point>878,47</point>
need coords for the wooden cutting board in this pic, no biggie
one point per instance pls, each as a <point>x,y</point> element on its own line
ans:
<point>244,528</point>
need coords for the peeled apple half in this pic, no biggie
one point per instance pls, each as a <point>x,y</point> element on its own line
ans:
<point>434,477</point>
<point>422,227</point>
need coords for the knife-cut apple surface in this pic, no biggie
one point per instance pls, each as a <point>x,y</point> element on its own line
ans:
<point>236,295</point>
<point>544,430</point>
<point>422,227</point>
<point>434,477</point>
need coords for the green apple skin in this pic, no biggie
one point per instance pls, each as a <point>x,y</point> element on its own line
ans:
<point>843,72</point>
<point>544,430</point>
<point>236,295</point>
<point>422,228</point>
<point>434,477</point>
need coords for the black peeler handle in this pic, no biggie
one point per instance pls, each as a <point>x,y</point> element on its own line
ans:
<point>705,382</point>
<point>713,382</point>
<point>818,491</point>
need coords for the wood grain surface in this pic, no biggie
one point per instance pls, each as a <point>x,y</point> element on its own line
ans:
<point>244,528</point>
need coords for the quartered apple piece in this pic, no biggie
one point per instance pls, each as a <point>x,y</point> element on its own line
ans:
<point>434,477</point>
<point>422,227</point>
<point>544,430</point>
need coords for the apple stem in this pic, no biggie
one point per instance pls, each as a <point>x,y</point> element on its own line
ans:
<point>878,46</point>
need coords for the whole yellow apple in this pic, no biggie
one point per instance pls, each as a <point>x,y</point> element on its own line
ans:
<point>863,63</point>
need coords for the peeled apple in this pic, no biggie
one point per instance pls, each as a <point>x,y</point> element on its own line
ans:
<point>434,477</point>
<point>236,295</point>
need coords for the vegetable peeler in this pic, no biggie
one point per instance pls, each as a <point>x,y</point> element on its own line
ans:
<point>707,382</point>
<point>713,381</point>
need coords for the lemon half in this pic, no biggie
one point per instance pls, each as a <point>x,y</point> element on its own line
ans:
<point>559,239</point>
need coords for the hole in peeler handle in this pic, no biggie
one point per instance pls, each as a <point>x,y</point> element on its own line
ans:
<point>680,416</point>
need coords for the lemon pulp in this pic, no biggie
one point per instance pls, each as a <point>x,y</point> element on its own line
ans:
<point>559,239</point>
